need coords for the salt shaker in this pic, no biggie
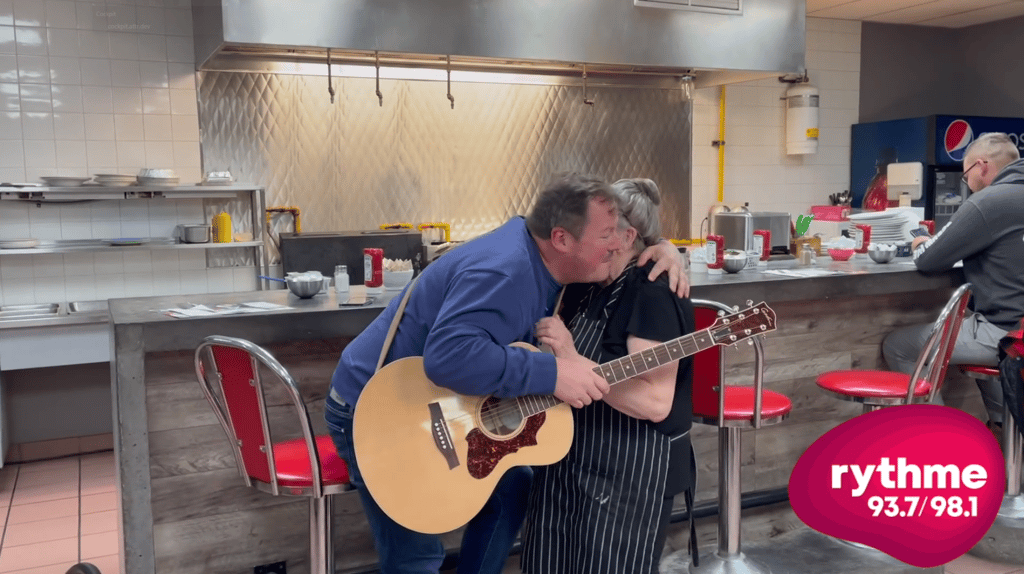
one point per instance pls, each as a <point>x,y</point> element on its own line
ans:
<point>341,279</point>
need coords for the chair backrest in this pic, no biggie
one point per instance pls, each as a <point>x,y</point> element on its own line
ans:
<point>228,370</point>
<point>934,358</point>
<point>709,368</point>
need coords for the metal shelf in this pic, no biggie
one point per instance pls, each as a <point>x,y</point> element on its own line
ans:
<point>106,246</point>
<point>99,192</point>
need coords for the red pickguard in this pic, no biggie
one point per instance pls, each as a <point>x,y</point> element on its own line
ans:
<point>485,452</point>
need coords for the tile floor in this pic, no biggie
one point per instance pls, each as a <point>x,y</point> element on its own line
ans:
<point>56,513</point>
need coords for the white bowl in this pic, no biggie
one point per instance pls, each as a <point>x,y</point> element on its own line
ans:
<point>395,280</point>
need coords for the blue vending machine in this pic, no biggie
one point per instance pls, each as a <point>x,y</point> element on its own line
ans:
<point>938,142</point>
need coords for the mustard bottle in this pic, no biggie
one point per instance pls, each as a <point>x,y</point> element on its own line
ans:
<point>222,228</point>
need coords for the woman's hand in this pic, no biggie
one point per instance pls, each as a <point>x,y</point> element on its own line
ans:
<point>551,331</point>
<point>667,258</point>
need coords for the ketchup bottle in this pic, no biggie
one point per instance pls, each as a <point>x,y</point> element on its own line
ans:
<point>715,249</point>
<point>863,238</point>
<point>373,267</point>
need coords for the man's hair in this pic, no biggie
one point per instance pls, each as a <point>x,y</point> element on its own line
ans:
<point>564,203</point>
<point>996,147</point>
<point>639,199</point>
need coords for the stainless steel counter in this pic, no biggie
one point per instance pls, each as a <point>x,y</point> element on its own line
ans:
<point>139,328</point>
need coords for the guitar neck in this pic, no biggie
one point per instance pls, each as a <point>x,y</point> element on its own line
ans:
<point>630,366</point>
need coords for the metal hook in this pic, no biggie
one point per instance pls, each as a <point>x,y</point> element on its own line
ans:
<point>330,88</point>
<point>586,100</point>
<point>376,60</point>
<point>451,98</point>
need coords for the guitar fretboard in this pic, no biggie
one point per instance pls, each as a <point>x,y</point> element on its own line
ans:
<point>630,366</point>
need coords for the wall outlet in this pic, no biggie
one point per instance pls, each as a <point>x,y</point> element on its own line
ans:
<point>272,568</point>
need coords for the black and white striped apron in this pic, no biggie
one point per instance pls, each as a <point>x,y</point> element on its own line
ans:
<point>598,510</point>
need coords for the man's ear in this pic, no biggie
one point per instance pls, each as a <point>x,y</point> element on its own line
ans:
<point>561,239</point>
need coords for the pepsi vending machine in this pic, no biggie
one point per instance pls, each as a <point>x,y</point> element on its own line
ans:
<point>938,142</point>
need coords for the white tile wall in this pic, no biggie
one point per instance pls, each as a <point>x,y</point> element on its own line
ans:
<point>757,169</point>
<point>100,87</point>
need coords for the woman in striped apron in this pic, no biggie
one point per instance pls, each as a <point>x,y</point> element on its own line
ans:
<point>605,507</point>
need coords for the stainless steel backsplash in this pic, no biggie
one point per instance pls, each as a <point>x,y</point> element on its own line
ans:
<point>356,164</point>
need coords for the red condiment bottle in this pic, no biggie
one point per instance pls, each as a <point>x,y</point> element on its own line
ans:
<point>863,238</point>
<point>373,267</point>
<point>715,248</point>
<point>766,243</point>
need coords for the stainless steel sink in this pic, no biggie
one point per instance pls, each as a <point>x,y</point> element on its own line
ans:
<point>90,307</point>
<point>39,311</point>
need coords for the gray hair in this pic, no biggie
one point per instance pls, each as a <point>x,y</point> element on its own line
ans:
<point>996,147</point>
<point>639,199</point>
<point>564,203</point>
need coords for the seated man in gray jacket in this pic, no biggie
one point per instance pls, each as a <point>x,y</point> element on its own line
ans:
<point>987,234</point>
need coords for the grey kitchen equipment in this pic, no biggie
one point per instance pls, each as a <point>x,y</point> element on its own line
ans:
<point>323,251</point>
<point>194,233</point>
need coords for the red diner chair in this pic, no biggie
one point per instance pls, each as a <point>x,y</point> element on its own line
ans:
<point>1012,445</point>
<point>878,389</point>
<point>732,409</point>
<point>230,371</point>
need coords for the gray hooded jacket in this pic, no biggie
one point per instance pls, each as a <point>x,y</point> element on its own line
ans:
<point>987,233</point>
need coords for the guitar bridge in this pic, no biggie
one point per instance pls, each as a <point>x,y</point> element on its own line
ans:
<point>442,436</point>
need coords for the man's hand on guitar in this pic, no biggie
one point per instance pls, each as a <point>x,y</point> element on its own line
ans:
<point>577,384</point>
<point>551,331</point>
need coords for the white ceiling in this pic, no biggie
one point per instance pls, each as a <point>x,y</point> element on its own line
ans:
<point>942,13</point>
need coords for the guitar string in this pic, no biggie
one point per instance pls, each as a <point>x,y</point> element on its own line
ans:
<point>512,404</point>
<point>663,354</point>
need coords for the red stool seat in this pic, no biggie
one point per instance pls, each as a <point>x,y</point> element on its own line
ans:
<point>739,404</point>
<point>878,384</point>
<point>291,460</point>
<point>983,370</point>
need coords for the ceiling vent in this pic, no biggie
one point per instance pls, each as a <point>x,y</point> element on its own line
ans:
<point>717,6</point>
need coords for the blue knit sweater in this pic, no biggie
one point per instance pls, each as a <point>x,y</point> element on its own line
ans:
<point>466,308</point>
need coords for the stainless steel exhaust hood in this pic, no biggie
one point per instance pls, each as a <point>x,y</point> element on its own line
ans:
<point>552,37</point>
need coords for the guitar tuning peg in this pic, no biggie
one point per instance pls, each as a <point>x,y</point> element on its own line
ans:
<point>721,313</point>
<point>750,342</point>
<point>750,302</point>
<point>735,308</point>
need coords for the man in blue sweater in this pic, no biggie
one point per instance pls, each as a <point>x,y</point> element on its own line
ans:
<point>465,310</point>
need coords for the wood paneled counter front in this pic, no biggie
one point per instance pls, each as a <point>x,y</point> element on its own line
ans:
<point>185,510</point>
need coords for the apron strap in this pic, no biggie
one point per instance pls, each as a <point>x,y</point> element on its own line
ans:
<point>394,324</point>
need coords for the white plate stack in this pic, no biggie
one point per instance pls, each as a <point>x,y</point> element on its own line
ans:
<point>64,181</point>
<point>889,226</point>
<point>18,243</point>
<point>114,179</point>
<point>158,177</point>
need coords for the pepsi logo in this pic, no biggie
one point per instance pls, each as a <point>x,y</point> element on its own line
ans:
<point>959,135</point>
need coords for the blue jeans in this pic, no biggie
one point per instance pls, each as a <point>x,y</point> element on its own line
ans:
<point>488,537</point>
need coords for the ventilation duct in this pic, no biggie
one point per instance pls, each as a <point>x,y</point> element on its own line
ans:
<point>615,38</point>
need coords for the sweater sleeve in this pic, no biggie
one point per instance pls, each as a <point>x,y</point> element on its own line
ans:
<point>467,348</point>
<point>964,235</point>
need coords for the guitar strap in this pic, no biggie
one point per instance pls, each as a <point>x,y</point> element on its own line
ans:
<point>401,309</point>
<point>394,324</point>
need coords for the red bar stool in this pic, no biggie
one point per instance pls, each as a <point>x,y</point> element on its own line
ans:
<point>1004,542</point>
<point>229,370</point>
<point>739,407</point>
<point>877,389</point>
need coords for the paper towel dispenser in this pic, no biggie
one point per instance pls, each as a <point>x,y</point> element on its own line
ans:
<point>905,178</point>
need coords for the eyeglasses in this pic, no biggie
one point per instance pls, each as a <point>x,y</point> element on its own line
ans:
<point>963,177</point>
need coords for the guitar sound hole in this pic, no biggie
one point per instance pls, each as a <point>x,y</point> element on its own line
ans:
<point>500,417</point>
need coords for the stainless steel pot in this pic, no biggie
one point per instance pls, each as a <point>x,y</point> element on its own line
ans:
<point>194,233</point>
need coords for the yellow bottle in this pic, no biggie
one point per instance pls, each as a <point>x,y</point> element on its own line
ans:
<point>222,228</point>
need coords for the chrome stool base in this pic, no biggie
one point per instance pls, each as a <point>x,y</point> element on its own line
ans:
<point>712,563</point>
<point>803,551</point>
<point>1004,542</point>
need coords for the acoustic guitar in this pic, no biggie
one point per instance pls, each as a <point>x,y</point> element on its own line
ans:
<point>431,457</point>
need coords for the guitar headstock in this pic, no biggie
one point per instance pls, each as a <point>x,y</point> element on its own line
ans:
<point>741,325</point>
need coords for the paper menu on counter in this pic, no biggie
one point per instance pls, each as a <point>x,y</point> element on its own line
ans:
<point>805,272</point>
<point>225,309</point>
